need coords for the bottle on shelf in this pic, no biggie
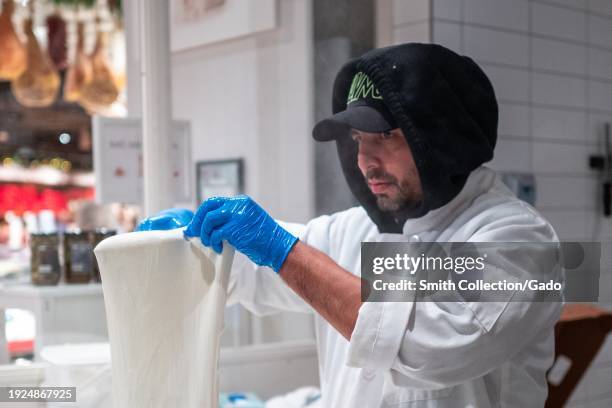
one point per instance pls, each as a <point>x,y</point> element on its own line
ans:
<point>45,262</point>
<point>78,256</point>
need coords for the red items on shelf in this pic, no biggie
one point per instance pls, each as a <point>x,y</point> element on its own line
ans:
<point>18,348</point>
<point>20,198</point>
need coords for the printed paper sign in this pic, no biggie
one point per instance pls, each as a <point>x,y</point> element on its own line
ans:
<point>118,160</point>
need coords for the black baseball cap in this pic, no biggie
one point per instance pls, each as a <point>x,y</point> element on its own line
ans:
<point>365,111</point>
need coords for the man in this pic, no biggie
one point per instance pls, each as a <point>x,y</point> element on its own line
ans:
<point>413,124</point>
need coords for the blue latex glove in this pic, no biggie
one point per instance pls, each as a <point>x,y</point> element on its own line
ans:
<point>166,220</point>
<point>246,226</point>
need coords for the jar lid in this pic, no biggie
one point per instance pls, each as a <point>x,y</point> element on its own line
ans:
<point>75,233</point>
<point>105,231</point>
<point>44,234</point>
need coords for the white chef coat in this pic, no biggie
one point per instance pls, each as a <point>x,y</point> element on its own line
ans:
<point>425,354</point>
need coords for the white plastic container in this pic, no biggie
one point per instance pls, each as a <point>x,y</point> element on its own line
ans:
<point>15,375</point>
<point>85,366</point>
<point>22,375</point>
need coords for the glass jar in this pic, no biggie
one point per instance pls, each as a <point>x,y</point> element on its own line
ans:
<point>98,236</point>
<point>45,263</point>
<point>78,257</point>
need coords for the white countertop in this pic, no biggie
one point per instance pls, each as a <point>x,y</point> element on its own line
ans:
<point>26,288</point>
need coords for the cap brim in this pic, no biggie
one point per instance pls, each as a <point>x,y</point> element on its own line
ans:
<point>363,118</point>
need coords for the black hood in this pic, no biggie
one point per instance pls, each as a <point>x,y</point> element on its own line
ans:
<point>444,104</point>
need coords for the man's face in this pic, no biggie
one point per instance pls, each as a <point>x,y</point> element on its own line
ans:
<point>386,162</point>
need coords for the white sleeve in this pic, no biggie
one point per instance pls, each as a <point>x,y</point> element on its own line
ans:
<point>261,290</point>
<point>441,344</point>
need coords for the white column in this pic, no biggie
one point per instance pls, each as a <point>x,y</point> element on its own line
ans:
<point>156,104</point>
<point>131,18</point>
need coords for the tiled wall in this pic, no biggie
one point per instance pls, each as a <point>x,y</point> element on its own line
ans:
<point>550,62</point>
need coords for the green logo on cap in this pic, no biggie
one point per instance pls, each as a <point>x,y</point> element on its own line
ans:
<point>361,88</point>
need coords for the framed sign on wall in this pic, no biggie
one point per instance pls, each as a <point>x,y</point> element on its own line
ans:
<point>219,178</point>
<point>196,23</point>
<point>118,160</point>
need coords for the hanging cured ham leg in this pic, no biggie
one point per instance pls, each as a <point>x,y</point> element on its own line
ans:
<point>101,91</point>
<point>38,85</point>
<point>13,60</point>
<point>56,40</point>
<point>80,72</point>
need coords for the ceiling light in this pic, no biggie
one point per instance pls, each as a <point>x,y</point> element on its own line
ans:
<point>65,138</point>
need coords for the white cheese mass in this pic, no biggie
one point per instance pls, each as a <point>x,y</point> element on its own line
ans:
<point>164,299</point>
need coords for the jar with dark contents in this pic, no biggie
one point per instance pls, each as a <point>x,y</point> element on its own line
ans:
<point>78,257</point>
<point>45,263</point>
<point>98,236</point>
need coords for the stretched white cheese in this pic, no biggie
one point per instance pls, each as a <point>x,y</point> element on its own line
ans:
<point>164,300</point>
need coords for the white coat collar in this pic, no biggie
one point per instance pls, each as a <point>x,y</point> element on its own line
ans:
<point>479,181</point>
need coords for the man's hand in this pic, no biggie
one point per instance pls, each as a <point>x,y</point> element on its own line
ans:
<point>246,226</point>
<point>166,220</point>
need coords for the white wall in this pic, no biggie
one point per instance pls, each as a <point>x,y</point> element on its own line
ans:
<point>550,62</point>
